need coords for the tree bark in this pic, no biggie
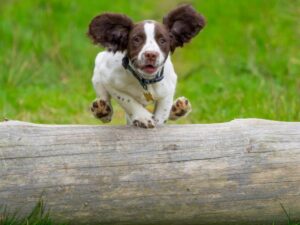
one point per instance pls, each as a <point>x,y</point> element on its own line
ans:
<point>240,172</point>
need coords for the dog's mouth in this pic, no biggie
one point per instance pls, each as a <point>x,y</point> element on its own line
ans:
<point>149,69</point>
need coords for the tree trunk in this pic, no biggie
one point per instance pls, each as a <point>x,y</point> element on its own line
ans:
<point>241,172</point>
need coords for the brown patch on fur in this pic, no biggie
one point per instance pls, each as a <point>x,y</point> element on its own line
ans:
<point>184,23</point>
<point>137,39</point>
<point>162,38</point>
<point>111,31</point>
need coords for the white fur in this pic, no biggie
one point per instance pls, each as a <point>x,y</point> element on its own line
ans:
<point>150,44</point>
<point>110,79</point>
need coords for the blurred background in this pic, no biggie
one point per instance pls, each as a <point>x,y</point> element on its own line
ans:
<point>245,63</point>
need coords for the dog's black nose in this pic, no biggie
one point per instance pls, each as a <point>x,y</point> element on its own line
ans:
<point>151,55</point>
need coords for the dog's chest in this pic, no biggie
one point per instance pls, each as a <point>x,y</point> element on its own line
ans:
<point>154,92</point>
<point>112,74</point>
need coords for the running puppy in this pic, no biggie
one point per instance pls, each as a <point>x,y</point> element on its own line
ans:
<point>136,68</point>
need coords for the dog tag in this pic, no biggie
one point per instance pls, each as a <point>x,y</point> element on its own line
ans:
<point>148,96</point>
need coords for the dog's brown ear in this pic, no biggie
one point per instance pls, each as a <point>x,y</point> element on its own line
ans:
<point>111,31</point>
<point>183,23</point>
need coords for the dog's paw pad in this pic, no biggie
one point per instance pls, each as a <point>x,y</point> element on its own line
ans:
<point>102,110</point>
<point>181,107</point>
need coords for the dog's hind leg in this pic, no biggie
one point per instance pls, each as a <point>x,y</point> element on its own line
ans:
<point>180,108</point>
<point>101,106</point>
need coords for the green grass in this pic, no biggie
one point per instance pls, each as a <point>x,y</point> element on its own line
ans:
<point>289,220</point>
<point>40,216</point>
<point>245,63</point>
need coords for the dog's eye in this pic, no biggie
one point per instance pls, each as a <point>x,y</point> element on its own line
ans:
<point>162,41</point>
<point>137,39</point>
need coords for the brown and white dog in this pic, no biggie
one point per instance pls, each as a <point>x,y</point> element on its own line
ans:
<point>136,68</point>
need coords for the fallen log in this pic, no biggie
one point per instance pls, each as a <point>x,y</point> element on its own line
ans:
<point>240,172</point>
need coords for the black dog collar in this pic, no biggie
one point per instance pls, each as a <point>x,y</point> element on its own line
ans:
<point>144,82</point>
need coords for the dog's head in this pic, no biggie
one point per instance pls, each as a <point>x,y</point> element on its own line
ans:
<point>147,43</point>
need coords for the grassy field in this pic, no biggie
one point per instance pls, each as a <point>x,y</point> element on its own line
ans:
<point>41,216</point>
<point>245,63</point>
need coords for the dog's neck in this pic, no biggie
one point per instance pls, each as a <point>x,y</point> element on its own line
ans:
<point>142,80</point>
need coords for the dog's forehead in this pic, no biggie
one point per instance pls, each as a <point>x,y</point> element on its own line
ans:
<point>139,27</point>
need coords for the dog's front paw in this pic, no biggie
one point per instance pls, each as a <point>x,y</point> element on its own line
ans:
<point>102,110</point>
<point>181,107</point>
<point>144,122</point>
